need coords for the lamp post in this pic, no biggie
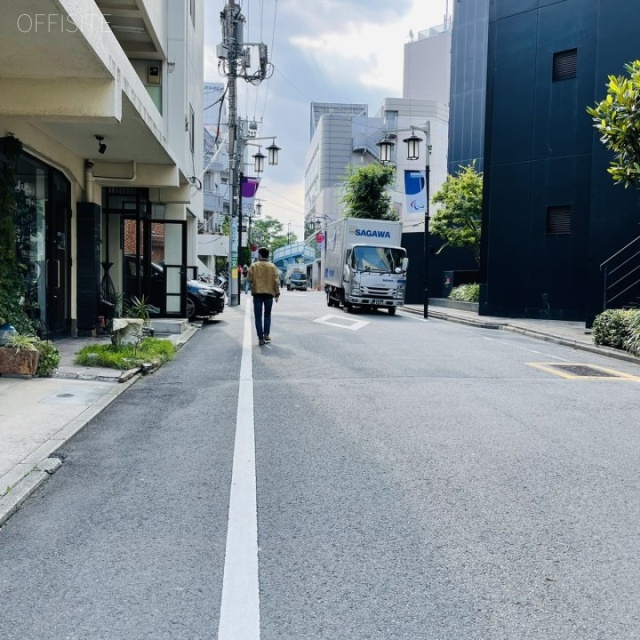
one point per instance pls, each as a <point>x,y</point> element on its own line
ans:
<point>235,241</point>
<point>413,153</point>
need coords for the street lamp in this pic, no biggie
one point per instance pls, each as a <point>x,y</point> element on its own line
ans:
<point>413,153</point>
<point>258,159</point>
<point>272,151</point>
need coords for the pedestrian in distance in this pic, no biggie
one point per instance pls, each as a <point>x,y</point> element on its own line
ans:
<point>264,279</point>
<point>245,280</point>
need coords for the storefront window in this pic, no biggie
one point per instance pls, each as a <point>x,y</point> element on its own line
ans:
<point>31,198</point>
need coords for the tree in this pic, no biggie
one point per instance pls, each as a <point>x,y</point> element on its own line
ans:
<point>268,232</point>
<point>617,118</point>
<point>12,272</point>
<point>459,220</point>
<point>366,192</point>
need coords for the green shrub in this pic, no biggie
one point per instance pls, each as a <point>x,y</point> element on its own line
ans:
<point>632,342</point>
<point>614,327</point>
<point>466,293</point>
<point>127,356</point>
<point>49,358</point>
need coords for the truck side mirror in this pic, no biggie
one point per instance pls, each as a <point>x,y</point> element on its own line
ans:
<point>405,264</point>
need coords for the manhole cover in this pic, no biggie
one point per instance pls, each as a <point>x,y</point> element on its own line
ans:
<point>585,371</point>
<point>573,370</point>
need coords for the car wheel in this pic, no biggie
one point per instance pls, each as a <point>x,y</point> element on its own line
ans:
<point>191,308</point>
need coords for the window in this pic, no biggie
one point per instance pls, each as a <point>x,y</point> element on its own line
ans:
<point>558,221</point>
<point>565,65</point>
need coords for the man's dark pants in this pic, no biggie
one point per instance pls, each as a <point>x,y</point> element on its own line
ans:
<point>262,302</point>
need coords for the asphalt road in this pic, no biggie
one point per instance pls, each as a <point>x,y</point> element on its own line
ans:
<point>410,479</point>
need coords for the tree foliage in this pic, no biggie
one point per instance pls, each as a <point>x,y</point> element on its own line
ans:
<point>12,285</point>
<point>366,192</point>
<point>617,118</point>
<point>459,220</point>
<point>268,232</point>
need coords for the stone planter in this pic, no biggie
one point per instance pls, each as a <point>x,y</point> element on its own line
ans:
<point>23,362</point>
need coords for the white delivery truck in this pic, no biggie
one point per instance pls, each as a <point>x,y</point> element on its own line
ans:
<point>296,277</point>
<point>365,265</point>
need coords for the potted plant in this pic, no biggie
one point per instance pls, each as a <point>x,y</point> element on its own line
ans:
<point>136,324</point>
<point>19,355</point>
<point>28,355</point>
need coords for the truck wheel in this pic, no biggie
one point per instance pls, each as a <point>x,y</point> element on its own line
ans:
<point>392,311</point>
<point>329,300</point>
<point>348,307</point>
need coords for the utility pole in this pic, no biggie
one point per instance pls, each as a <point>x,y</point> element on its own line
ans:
<point>236,57</point>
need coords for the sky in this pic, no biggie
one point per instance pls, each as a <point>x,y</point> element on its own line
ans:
<point>348,51</point>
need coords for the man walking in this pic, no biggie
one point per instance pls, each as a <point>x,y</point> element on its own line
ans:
<point>264,279</point>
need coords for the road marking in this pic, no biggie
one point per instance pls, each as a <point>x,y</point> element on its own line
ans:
<point>240,606</point>
<point>342,322</point>
<point>529,350</point>
<point>576,371</point>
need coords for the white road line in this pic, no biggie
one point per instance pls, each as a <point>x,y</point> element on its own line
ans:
<point>342,322</point>
<point>240,607</point>
<point>536,351</point>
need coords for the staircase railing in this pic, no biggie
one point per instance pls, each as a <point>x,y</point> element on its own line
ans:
<point>622,276</point>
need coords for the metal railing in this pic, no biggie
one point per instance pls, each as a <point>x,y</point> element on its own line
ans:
<point>622,276</point>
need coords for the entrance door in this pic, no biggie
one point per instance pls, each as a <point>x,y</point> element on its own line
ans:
<point>43,243</point>
<point>169,248</point>
<point>57,264</point>
<point>155,263</point>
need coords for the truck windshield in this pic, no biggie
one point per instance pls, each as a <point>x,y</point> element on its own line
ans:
<point>378,259</point>
<point>298,276</point>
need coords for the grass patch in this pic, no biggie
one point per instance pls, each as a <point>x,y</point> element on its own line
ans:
<point>127,356</point>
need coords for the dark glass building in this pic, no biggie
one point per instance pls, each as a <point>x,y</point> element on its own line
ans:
<point>468,84</point>
<point>552,214</point>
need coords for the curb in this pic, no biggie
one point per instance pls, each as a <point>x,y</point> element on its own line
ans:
<point>532,333</point>
<point>36,468</point>
<point>40,464</point>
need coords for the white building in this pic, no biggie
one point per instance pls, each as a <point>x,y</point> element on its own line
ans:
<point>106,101</point>
<point>343,134</point>
<point>212,244</point>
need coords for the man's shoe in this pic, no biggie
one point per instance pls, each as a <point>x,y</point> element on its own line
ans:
<point>261,343</point>
<point>267,339</point>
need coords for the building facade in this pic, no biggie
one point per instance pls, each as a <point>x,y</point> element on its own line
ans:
<point>469,43</point>
<point>106,102</point>
<point>552,215</point>
<point>213,245</point>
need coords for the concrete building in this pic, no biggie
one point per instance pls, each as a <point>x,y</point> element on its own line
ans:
<point>213,245</point>
<point>106,101</point>
<point>319,109</point>
<point>344,135</point>
<point>432,51</point>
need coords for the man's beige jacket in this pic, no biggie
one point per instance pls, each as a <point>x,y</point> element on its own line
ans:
<point>264,277</point>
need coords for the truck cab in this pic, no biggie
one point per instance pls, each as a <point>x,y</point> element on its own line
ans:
<point>297,281</point>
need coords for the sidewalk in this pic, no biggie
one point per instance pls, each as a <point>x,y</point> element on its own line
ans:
<point>38,415</point>
<point>565,332</point>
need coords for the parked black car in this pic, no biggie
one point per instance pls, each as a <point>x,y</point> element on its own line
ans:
<point>203,300</point>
